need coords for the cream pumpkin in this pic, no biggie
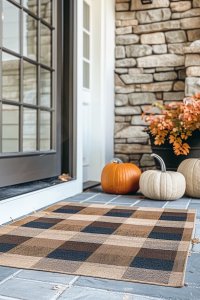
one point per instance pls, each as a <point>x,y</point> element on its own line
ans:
<point>190,168</point>
<point>162,185</point>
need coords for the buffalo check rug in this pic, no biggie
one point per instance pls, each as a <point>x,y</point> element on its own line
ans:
<point>146,245</point>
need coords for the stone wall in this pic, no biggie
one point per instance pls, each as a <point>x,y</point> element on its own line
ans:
<point>150,66</point>
<point>192,63</point>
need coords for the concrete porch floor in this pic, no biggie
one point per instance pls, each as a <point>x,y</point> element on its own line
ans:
<point>18,284</point>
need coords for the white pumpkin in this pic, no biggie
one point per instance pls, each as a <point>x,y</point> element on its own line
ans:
<point>190,168</point>
<point>162,185</point>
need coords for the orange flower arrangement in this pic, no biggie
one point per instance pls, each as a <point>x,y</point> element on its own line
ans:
<point>175,123</point>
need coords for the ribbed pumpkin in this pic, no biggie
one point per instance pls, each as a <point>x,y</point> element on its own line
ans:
<point>120,178</point>
<point>190,168</point>
<point>162,185</point>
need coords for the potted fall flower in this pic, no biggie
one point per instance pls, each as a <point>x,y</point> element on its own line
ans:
<point>175,130</point>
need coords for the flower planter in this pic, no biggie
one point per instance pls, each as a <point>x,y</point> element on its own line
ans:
<point>172,161</point>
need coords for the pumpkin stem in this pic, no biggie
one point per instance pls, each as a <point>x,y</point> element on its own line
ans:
<point>161,161</point>
<point>116,161</point>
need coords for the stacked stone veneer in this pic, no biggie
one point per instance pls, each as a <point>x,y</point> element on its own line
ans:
<point>192,63</point>
<point>152,57</point>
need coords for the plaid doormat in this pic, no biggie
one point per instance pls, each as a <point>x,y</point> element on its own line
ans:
<point>131,244</point>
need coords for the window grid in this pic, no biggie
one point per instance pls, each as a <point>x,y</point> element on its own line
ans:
<point>39,66</point>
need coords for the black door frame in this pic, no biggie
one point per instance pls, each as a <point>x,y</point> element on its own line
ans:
<point>27,167</point>
<point>68,82</point>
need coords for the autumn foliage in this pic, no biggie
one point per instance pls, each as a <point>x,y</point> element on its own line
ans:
<point>175,123</point>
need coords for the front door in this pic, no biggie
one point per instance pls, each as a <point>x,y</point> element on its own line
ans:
<point>29,110</point>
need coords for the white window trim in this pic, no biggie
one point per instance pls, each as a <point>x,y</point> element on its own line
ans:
<point>108,88</point>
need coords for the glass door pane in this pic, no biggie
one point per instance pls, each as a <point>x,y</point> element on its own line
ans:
<point>30,27</point>
<point>10,18</point>
<point>46,10</point>
<point>10,128</point>
<point>86,16</point>
<point>30,83</point>
<point>31,5</point>
<point>45,46</point>
<point>29,130</point>
<point>10,77</point>
<point>86,45</point>
<point>86,75</point>
<point>45,88</point>
<point>45,130</point>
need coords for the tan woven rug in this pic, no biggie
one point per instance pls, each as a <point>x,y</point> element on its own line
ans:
<point>145,245</point>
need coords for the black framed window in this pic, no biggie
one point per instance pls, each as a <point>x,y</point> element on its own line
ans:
<point>27,72</point>
<point>37,107</point>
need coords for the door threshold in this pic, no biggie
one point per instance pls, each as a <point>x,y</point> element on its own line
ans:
<point>28,187</point>
<point>90,184</point>
<point>13,208</point>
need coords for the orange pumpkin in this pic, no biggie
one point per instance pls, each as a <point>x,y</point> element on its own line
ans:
<point>120,178</point>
